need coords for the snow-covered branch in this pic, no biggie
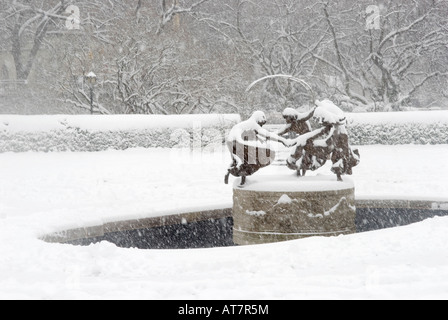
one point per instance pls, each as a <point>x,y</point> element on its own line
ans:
<point>169,12</point>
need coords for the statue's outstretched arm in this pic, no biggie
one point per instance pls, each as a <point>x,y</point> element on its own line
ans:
<point>304,138</point>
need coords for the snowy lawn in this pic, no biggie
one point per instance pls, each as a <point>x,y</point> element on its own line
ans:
<point>41,193</point>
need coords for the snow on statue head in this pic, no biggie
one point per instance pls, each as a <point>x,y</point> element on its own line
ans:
<point>290,114</point>
<point>328,113</point>
<point>259,117</point>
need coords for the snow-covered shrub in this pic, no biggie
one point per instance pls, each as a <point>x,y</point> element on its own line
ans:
<point>181,138</point>
<point>86,134</point>
<point>85,141</point>
<point>41,134</point>
<point>398,134</point>
<point>398,128</point>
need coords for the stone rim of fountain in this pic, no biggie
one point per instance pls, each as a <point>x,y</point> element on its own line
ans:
<point>432,207</point>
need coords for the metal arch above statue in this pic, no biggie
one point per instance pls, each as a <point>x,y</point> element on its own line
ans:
<point>287,77</point>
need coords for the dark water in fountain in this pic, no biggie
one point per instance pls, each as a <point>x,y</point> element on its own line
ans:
<point>219,232</point>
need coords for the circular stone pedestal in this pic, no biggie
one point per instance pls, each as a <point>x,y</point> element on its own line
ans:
<point>272,209</point>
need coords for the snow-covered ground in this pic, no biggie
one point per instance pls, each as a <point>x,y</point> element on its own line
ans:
<point>42,193</point>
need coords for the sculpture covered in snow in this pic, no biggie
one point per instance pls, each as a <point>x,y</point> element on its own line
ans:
<point>250,147</point>
<point>313,151</point>
<point>298,124</point>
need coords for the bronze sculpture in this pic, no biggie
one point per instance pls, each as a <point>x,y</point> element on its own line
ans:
<point>331,144</point>
<point>249,143</point>
<point>337,147</point>
<point>249,151</point>
<point>298,124</point>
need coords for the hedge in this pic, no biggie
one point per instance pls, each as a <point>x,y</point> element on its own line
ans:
<point>19,134</point>
<point>397,128</point>
<point>398,134</point>
<point>87,134</point>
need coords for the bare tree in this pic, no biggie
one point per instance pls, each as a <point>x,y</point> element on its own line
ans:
<point>27,22</point>
<point>274,37</point>
<point>385,66</point>
<point>142,79</point>
<point>148,71</point>
<point>170,9</point>
<point>197,56</point>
